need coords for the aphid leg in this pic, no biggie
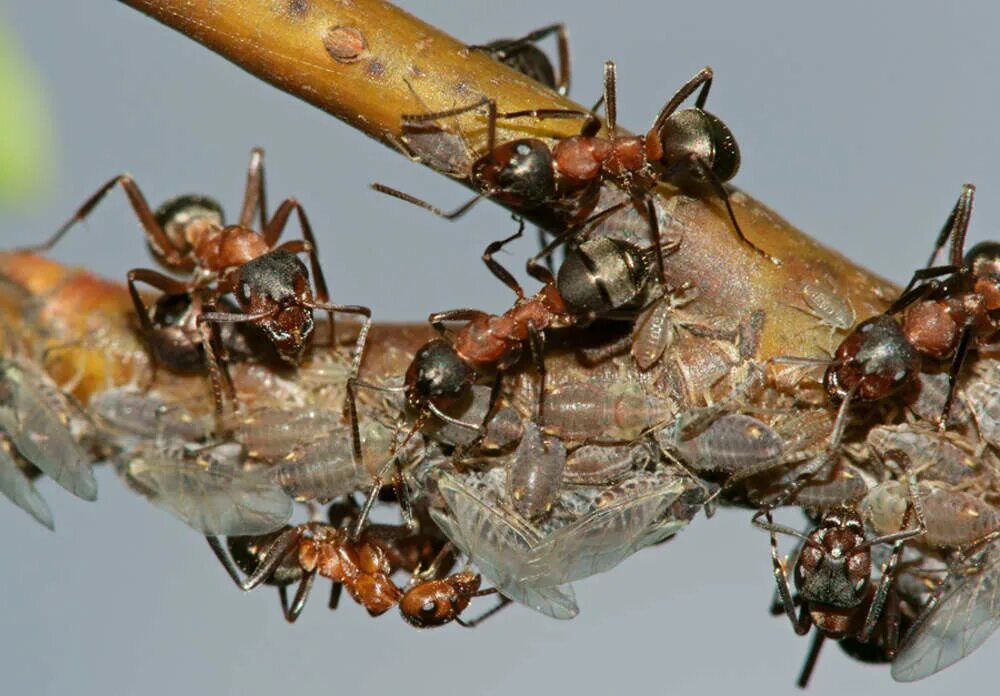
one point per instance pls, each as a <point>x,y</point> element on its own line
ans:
<point>537,342</point>
<point>496,268</point>
<point>703,79</point>
<point>154,233</point>
<point>254,194</point>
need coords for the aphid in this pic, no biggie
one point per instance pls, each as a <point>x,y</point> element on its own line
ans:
<point>269,282</point>
<point>828,307</point>
<point>524,56</point>
<point>837,483</point>
<point>953,519</point>
<point>208,490</point>
<point>597,412</point>
<point>654,328</point>
<point>559,186</point>
<point>833,580</point>
<point>321,470</point>
<point>134,414</point>
<point>932,392</point>
<point>961,615</point>
<point>984,401</point>
<point>36,418</point>
<point>731,444</point>
<point>932,456</point>
<point>601,465</point>
<point>500,545</point>
<point>272,434</point>
<point>535,473</point>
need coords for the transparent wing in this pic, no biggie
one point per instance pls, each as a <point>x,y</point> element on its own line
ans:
<point>499,545</point>
<point>605,537</point>
<point>35,416</point>
<point>213,498</point>
<point>16,485</point>
<point>966,613</point>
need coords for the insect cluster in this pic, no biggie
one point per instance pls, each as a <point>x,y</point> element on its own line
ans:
<point>524,451</point>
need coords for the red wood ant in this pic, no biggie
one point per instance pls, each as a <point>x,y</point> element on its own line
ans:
<point>525,57</point>
<point>364,567</point>
<point>269,282</point>
<point>559,186</point>
<point>833,578</point>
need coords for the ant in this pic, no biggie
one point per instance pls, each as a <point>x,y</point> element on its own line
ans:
<point>526,58</point>
<point>363,566</point>
<point>560,186</point>
<point>833,578</point>
<point>883,355</point>
<point>270,283</point>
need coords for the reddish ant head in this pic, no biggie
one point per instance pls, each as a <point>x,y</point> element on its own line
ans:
<point>278,283</point>
<point>832,569</point>
<point>875,360</point>
<point>185,219</point>
<point>695,132</point>
<point>437,375</point>
<point>437,602</point>
<point>517,174</point>
<point>601,275</point>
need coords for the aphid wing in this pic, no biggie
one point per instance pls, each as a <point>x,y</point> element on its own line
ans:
<point>41,436</point>
<point>16,485</point>
<point>966,614</point>
<point>605,537</point>
<point>499,546</point>
<point>216,500</point>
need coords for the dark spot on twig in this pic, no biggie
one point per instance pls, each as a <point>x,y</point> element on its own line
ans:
<point>345,44</point>
<point>298,8</point>
<point>375,68</point>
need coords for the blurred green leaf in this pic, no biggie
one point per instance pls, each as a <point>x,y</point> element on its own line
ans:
<point>25,127</point>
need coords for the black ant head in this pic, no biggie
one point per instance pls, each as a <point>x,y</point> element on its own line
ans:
<point>185,218</point>
<point>277,284</point>
<point>601,275</point>
<point>518,174</point>
<point>834,567</point>
<point>695,132</point>
<point>437,375</point>
<point>875,360</point>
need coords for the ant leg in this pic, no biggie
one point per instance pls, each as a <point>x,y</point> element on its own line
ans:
<point>956,366</point>
<point>801,622</point>
<point>703,79</point>
<point>497,269</point>
<point>885,582</point>
<point>537,342</point>
<point>299,600</point>
<point>503,602</point>
<point>657,238</point>
<point>452,215</point>
<point>335,591</point>
<point>955,227</point>
<point>913,294</point>
<point>438,319</point>
<point>273,557</point>
<point>611,99</point>
<point>154,233</point>
<point>537,271</point>
<point>253,195</point>
<point>547,258</point>
<point>164,283</point>
<point>406,119</point>
<point>807,667</point>
<point>720,191</point>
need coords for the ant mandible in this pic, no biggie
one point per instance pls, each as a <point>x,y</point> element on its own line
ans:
<point>271,285</point>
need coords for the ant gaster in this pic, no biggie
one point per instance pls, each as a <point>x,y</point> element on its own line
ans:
<point>524,56</point>
<point>559,186</point>
<point>270,283</point>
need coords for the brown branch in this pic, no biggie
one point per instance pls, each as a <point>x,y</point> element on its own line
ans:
<point>358,61</point>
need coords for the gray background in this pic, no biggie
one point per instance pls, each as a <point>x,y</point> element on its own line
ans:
<point>858,124</point>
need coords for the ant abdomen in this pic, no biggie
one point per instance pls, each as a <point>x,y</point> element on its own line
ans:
<point>601,275</point>
<point>698,133</point>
